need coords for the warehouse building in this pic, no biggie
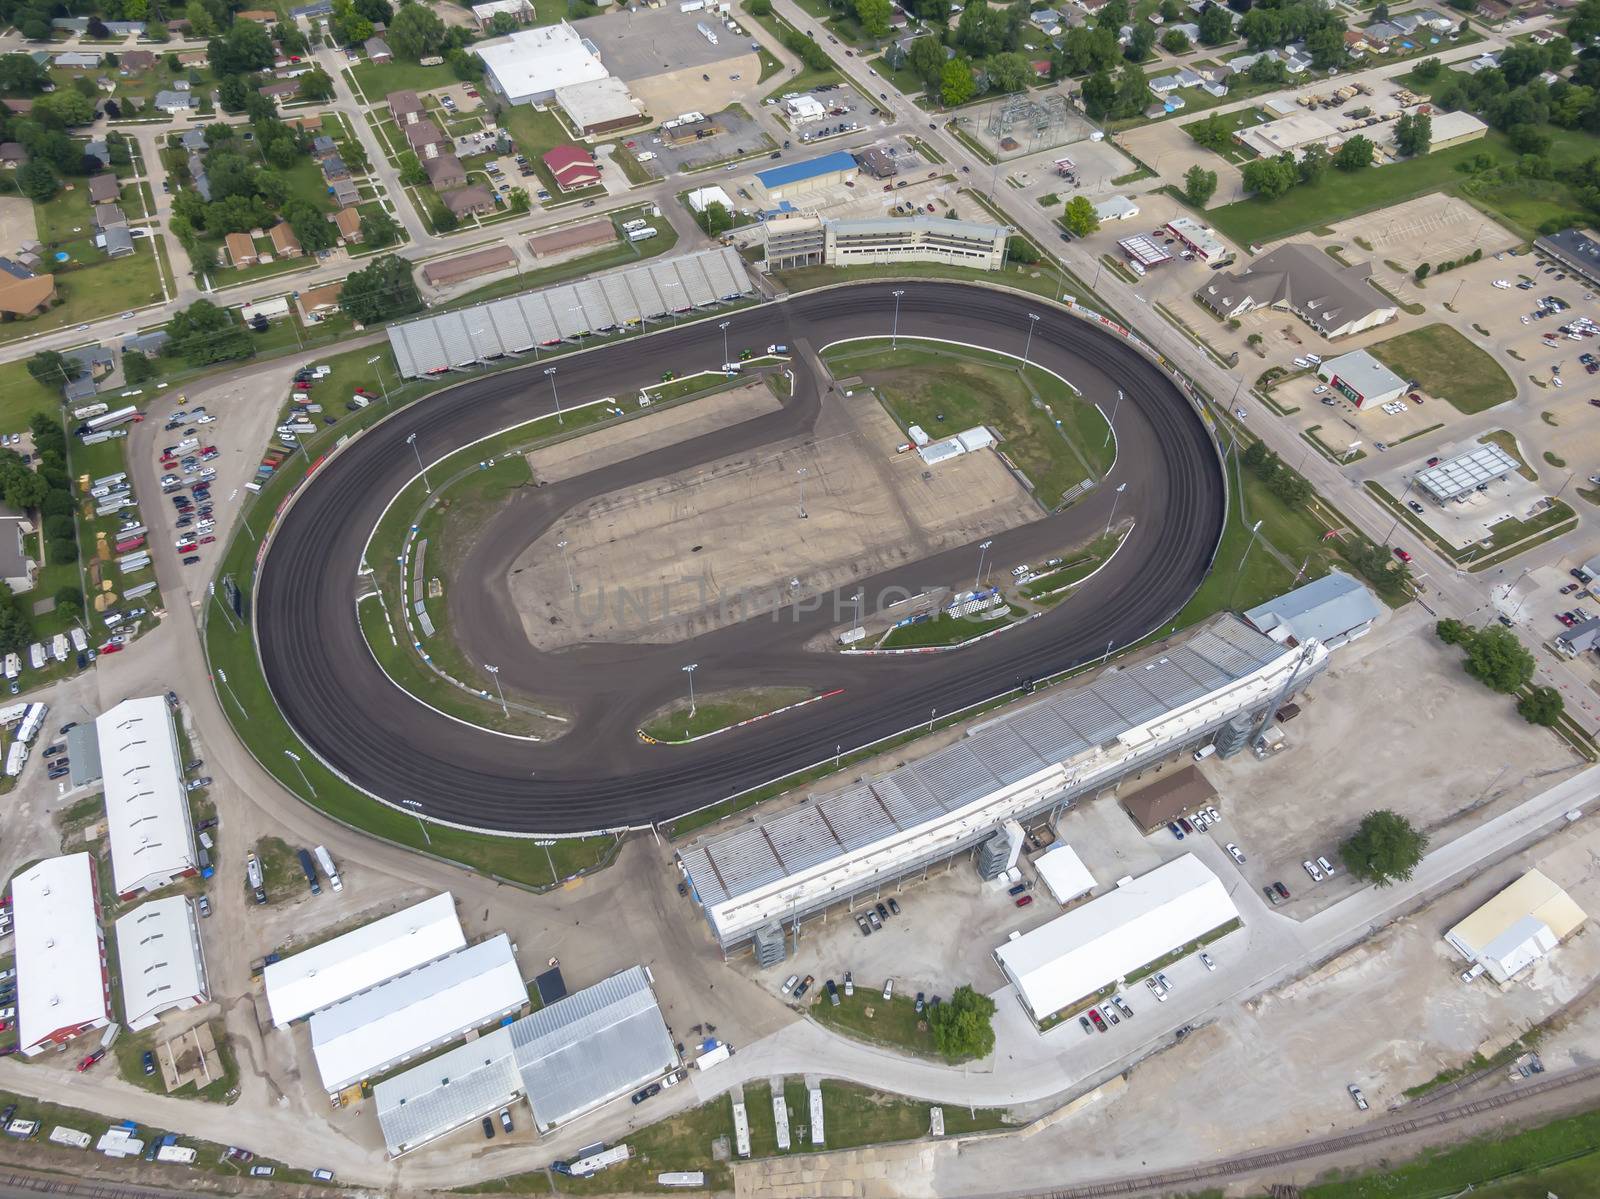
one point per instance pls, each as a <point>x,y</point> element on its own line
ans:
<point>1362,379</point>
<point>1063,873</point>
<point>785,866</point>
<point>1460,476</point>
<point>796,179</point>
<point>1069,960</point>
<point>579,1053</point>
<point>649,291</point>
<point>63,986</point>
<point>1334,300</point>
<point>450,271</point>
<point>159,960</point>
<point>1518,927</point>
<point>1334,609</point>
<point>528,66</point>
<point>1172,796</point>
<point>148,821</point>
<point>377,1029</point>
<point>1575,250</point>
<point>599,106</point>
<point>326,974</point>
<point>585,236</point>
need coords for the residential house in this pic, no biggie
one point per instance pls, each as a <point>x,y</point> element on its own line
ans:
<point>174,102</point>
<point>26,297</point>
<point>346,192</point>
<point>468,201</point>
<point>107,215</point>
<point>19,108</point>
<point>12,155</point>
<point>17,270</point>
<point>572,166</point>
<point>81,60</point>
<point>118,241</point>
<point>425,139</point>
<point>445,172</point>
<point>319,302</point>
<point>104,189</point>
<point>323,146</point>
<point>404,107</point>
<point>17,570</point>
<point>280,92</point>
<point>284,243</point>
<point>348,222</point>
<point>149,344</point>
<point>197,176</point>
<point>334,168</point>
<point>378,50</point>
<point>193,140</point>
<point>96,147</point>
<point>241,249</point>
<point>191,58</point>
<point>137,62</point>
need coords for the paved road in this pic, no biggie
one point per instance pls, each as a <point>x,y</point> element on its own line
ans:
<point>599,776</point>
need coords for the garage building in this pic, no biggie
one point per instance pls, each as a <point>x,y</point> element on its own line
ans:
<point>1074,956</point>
<point>325,974</point>
<point>582,236</point>
<point>63,986</point>
<point>599,105</point>
<point>160,963</point>
<point>147,807</point>
<point>1518,927</point>
<point>529,65</point>
<point>1362,379</point>
<point>1062,871</point>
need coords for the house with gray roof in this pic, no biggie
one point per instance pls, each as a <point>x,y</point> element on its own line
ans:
<point>174,102</point>
<point>1334,609</point>
<point>1334,300</point>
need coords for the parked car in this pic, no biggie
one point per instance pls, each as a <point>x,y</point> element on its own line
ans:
<point>1235,852</point>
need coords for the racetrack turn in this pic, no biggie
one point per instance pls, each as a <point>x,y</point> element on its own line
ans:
<point>599,776</point>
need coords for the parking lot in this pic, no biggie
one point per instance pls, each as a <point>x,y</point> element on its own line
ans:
<point>740,133</point>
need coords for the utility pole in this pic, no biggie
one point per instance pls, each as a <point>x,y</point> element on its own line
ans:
<point>689,670</point>
<point>801,474</point>
<point>894,332</point>
<point>1110,424</point>
<point>1033,321</point>
<point>411,441</point>
<point>377,360</point>
<point>494,671</point>
<point>1117,495</point>
<point>983,548</point>
<point>1255,529</point>
<point>550,373</point>
<point>295,758</point>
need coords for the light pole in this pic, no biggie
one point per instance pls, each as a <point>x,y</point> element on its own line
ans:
<point>1396,523</point>
<point>1255,530</point>
<point>983,548</point>
<point>894,333</point>
<point>1110,424</point>
<point>689,670</point>
<point>550,373</point>
<point>1033,320</point>
<point>495,671</point>
<point>1117,495</point>
<point>723,325</point>
<point>572,583</point>
<point>377,360</point>
<point>931,716</point>
<point>801,474</point>
<point>412,442</point>
<point>295,758</point>
<point>222,677</point>
<point>1107,654</point>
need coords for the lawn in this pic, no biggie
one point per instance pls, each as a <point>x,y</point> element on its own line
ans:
<point>945,629</point>
<point>1041,280</point>
<point>21,396</point>
<point>534,133</point>
<point>93,286</point>
<point>377,80</point>
<point>1447,365</point>
<point>946,392</point>
<point>132,1046</point>
<point>719,711</point>
<point>866,1017</point>
<point>1339,195</point>
<point>1243,118</point>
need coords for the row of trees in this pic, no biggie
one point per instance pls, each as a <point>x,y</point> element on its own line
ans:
<point>1272,177</point>
<point>1499,660</point>
<point>1424,269</point>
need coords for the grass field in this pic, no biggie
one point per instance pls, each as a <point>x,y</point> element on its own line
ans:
<point>714,711</point>
<point>866,1017</point>
<point>945,629</point>
<point>947,391</point>
<point>1447,365</point>
<point>377,80</point>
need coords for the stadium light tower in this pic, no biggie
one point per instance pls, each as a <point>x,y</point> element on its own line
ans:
<point>689,670</point>
<point>550,373</point>
<point>894,332</point>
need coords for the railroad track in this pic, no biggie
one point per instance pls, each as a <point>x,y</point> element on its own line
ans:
<point>1373,1135</point>
<point>83,1188</point>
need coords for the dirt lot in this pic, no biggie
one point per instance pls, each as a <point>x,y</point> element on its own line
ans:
<point>1394,723</point>
<point>702,549</point>
<point>17,223</point>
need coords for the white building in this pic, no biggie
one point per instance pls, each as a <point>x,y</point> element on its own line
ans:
<point>701,197</point>
<point>529,65</point>
<point>1362,379</point>
<point>63,987</point>
<point>1062,871</point>
<point>916,239</point>
<point>1335,609</point>
<point>599,105</point>
<point>147,808</point>
<point>325,974</point>
<point>1108,938</point>
<point>1116,208</point>
<point>159,960</point>
<point>413,1013</point>
<point>1516,928</point>
<point>804,108</point>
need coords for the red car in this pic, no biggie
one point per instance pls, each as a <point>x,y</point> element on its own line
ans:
<point>1099,1021</point>
<point>91,1060</point>
<point>1024,900</point>
<point>110,649</point>
<point>303,385</point>
<point>1401,554</point>
<point>1433,461</point>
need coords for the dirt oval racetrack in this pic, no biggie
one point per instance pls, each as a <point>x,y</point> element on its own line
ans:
<point>600,776</point>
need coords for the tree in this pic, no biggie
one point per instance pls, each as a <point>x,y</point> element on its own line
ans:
<point>69,598</point>
<point>63,108</point>
<point>1140,42</point>
<point>1099,95</point>
<point>20,487</point>
<point>1080,218</point>
<point>349,26</point>
<point>383,290</point>
<point>956,85</point>
<point>416,32</point>
<point>715,219</point>
<point>16,630</point>
<point>1009,71</point>
<point>963,1025</point>
<point>874,16</point>
<point>1354,155</point>
<point>1384,849</point>
<point>53,369</point>
<point>1021,251</point>
<point>21,75</point>
<point>1452,631</point>
<point>379,229</point>
<point>1313,162</point>
<point>1199,185</point>
<point>1175,41</point>
<point>1269,178</point>
<point>1422,272</point>
<point>1499,661</point>
<point>926,60</point>
<point>313,230</point>
<point>316,86</point>
<point>203,333</point>
<point>36,181</point>
<point>411,172</point>
<point>1427,70</point>
<point>231,93</point>
<point>1133,91</point>
<point>1412,133</point>
<point>1214,132</point>
<point>1542,705</point>
<point>1216,26</point>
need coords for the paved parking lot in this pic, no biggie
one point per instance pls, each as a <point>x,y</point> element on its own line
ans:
<point>742,134</point>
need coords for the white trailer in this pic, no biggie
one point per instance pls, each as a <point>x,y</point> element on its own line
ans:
<point>13,667</point>
<point>16,758</point>
<point>12,715</point>
<point>181,1154</point>
<point>70,1137</point>
<point>325,860</point>
<point>32,722</point>
<point>80,640</point>
<point>36,656</point>
<point>596,1162</point>
<point>58,647</point>
<point>89,411</point>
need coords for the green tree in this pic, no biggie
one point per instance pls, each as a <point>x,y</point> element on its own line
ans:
<point>69,599</point>
<point>963,1025</point>
<point>1499,661</point>
<point>1175,41</point>
<point>1412,133</point>
<point>1140,42</point>
<point>383,290</point>
<point>53,369</point>
<point>1542,705</point>
<point>874,16</point>
<point>1422,271</point>
<point>1384,849</point>
<point>137,369</point>
<point>926,60</point>
<point>1268,178</point>
<point>16,630</point>
<point>1199,185</point>
<point>416,32</point>
<point>1133,91</point>
<point>1216,25</point>
<point>21,75</point>
<point>316,86</point>
<point>379,228</point>
<point>1009,72</point>
<point>1099,95</point>
<point>20,487</point>
<point>956,85</point>
<point>715,219</point>
<point>1354,155</point>
<point>1079,217</point>
<point>37,182</point>
<point>203,333</point>
<point>1452,631</point>
<point>411,172</point>
<point>1213,132</point>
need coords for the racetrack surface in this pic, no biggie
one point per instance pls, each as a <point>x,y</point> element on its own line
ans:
<point>600,776</point>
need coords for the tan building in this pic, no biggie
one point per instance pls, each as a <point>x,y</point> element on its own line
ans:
<point>469,201</point>
<point>284,243</point>
<point>916,239</point>
<point>1516,928</point>
<point>404,107</point>
<point>468,266</point>
<point>25,297</point>
<point>1171,797</point>
<point>588,235</point>
<point>445,172</point>
<point>348,222</point>
<point>241,249</point>
<point>319,301</point>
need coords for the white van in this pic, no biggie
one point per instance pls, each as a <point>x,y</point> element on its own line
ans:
<point>1204,752</point>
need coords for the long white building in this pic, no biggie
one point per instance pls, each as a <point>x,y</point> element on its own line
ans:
<point>1094,945</point>
<point>325,974</point>
<point>147,808</point>
<point>63,986</point>
<point>528,66</point>
<point>160,963</point>
<point>796,863</point>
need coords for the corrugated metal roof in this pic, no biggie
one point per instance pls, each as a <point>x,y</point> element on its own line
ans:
<point>591,1047</point>
<point>811,168</point>
<point>447,1091</point>
<point>1327,608</point>
<point>147,808</point>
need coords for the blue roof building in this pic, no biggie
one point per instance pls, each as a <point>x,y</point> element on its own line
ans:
<point>810,175</point>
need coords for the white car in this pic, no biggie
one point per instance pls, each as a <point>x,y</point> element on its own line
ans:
<point>788,983</point>
<point>1526,321</point>
<point>1327,866</point>
<point>1502,285</point>
<point>1240,413</point>
<point>1213,815</point>
<point>204,420</point>
<point>1235,852</point>
<point>1319,389</point>
<point>1311,869</point>
<point>1205,960</point>
<point>1555,380</point>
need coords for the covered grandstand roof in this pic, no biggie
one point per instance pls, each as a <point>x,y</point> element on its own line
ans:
<point>147,808</point>
<point>432,1005</point>
<point>792,844</point>
<point>362,958</point>
<point>519,323</point>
